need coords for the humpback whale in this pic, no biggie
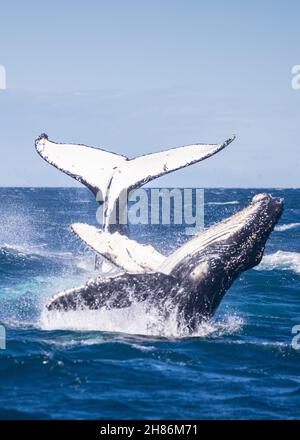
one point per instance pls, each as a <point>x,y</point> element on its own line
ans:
<point>193,279</point>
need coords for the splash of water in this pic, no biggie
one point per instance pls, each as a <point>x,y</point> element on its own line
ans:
<point>286,227</point>
<point>281,260</point>
<point>138,319</point>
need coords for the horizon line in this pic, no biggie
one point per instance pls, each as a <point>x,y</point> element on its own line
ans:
<point>156,187</point>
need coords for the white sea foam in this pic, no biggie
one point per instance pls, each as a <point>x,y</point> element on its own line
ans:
<point>218,327</point>
<point>286,227</point>
<point>271,344</point>
<point>281,260</point>
<point>232,202</point>
<point>137,319</point>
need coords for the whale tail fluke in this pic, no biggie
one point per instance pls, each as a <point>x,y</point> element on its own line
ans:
<point>108,175</point>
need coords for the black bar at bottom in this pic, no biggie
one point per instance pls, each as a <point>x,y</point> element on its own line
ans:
<point>134,429</point>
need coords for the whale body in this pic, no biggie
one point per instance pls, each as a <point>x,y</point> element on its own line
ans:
<point>193,279</point>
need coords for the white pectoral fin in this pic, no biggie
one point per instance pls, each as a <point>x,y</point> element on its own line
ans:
<point>127,254</point>
<point>91,166</point>
<point>141,170</point>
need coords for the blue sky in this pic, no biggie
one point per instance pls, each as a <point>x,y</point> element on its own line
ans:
<point>139,76</point>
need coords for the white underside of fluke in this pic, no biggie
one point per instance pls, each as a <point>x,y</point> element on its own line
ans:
<point>93,167</point>
<point>127,254</point>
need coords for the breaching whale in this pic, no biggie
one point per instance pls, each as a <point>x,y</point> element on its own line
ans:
<point>191,281</point>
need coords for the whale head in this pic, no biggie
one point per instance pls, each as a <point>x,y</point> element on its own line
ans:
<point>209,264</point>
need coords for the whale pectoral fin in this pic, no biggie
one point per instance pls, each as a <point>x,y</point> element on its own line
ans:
<point>91,166</point>
<point>128,255</point>
<point>116,292</point>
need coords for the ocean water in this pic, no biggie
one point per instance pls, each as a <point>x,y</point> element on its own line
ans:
<point>127,364</point>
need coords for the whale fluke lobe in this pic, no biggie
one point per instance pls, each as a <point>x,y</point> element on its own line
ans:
<point>143,169</point>
<point>93,167</point>
<point>108,175</point>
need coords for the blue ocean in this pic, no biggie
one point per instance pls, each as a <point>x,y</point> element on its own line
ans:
<point>124,363</point>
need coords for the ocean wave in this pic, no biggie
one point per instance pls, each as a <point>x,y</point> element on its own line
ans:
<point>27,251</point>
<point>286,227</point>
<point>42,252</point>
<point>281,260</point>
<point>268,344</point>
<point>20,263</point>
<point>232,202</point>
<point>13,258</point>
<point>216,328</point>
